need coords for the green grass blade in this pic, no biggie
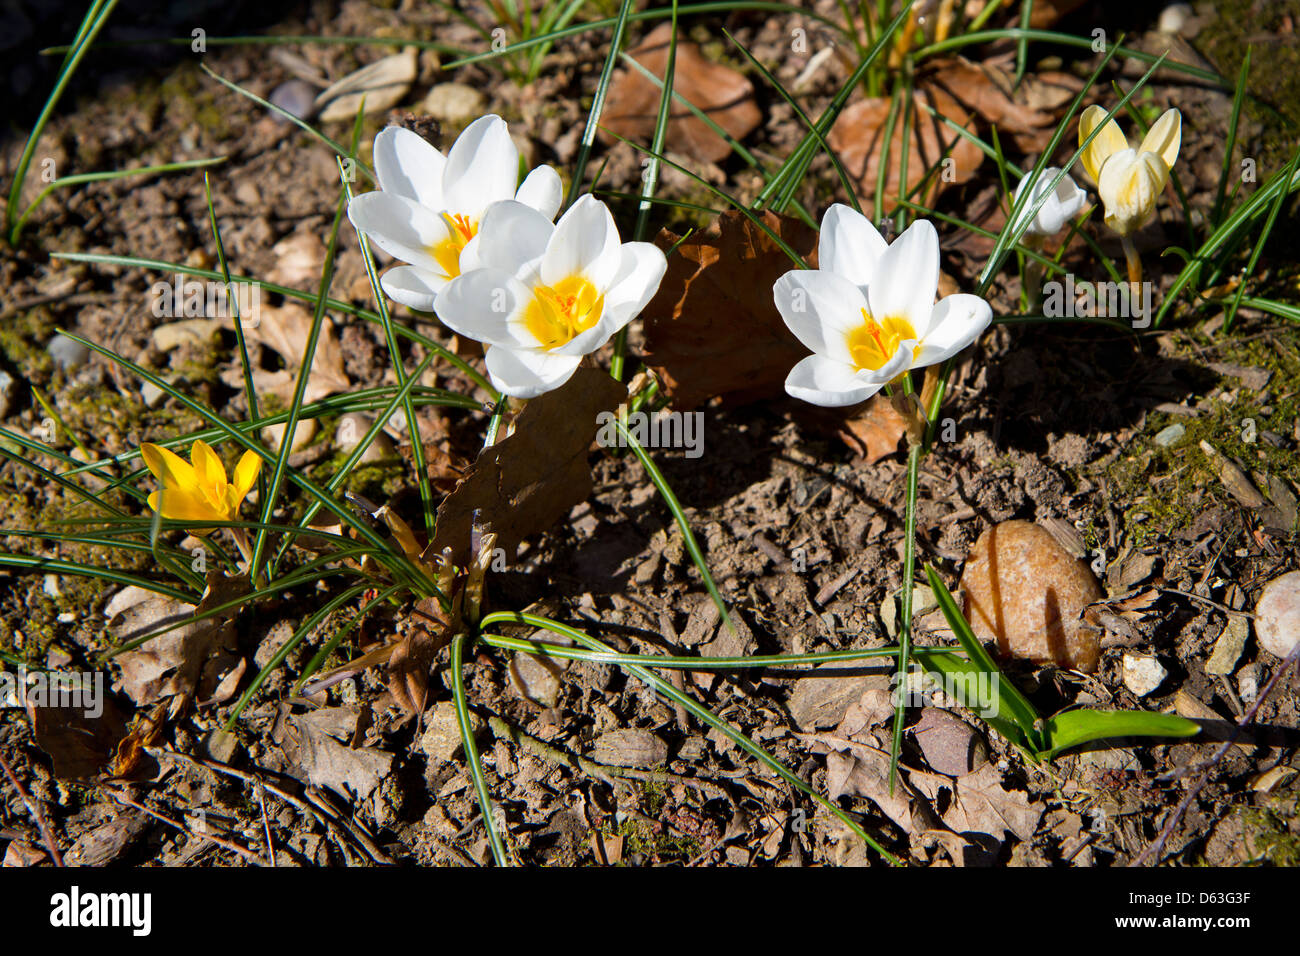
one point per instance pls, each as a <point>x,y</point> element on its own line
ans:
<point>1011,702</point>
<point>679,515</point>
<point>93,22</point>
<point>81,178</point>
<point>597,105</point>
<point>471,751</point>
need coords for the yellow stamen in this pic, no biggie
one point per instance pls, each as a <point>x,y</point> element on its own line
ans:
<point>461,229</point>
<point>872,344</point>
<point>561,311</point>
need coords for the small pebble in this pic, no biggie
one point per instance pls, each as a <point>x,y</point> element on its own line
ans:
<point>950,745</point>
<point>1248,683</point>
<point>296,97</point>
<point>441,739</point>
<point>67,353</point>
<point>454,103</point>
<point>1170,436</point>
<point>6,393</point>
<point>151,395</point>
<point>1277,615</point>
<point>1143,674</point>
<point>1173,17</point>
<point>352,427</point>
<point>1228,648</point>
<point>222,746</point>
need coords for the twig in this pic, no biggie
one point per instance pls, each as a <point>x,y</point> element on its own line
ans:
<point>248,854</point>
<point>1154,848</point>
<point>34,809</point>
<point>266,825</point>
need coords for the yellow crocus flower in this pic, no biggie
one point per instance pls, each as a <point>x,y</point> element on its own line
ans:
<point>1129,180</point>
<point>197,490</point>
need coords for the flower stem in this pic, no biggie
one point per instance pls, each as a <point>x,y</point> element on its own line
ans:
<point>1134,261</point>
<point>245,548</point>
<point>905,624</point>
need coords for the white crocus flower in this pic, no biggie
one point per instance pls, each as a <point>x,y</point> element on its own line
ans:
<point>868,312</point>
<point>546,295</point>
<point>1061,205</point>
<point>429,208</point>
<point>1129,180</point>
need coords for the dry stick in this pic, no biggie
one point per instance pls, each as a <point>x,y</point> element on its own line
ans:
<point>266,825</point>
<point>1158,844</point>
<point>34,809</point>
<point>321,816</point>
<point>219,841</point>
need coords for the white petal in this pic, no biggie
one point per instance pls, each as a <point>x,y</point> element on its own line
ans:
<point>512,234</point>
<point>487,305</point>
<point>958,321</point>
<point>401,227</point>
<point>482,167</point>
<point>849,245</point>
<point>543,190</point>
<point>638,279</point>
<point>820,308</point>
<point>527,373</point>
<point>833,384</point>
<point>413,287</point>
<point>907,277</point>
<point>585,243</point>
<point>642,269</point>
<point>407,165</point>
<point>1063,202</point>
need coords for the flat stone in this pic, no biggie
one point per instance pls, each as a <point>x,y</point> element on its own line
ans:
<point>1277,615</point>
<point>536,678</point>
<point>949,744</point>
<point>1170,435</point>
<point>455,103</point>
<point>295,97</point>
<point>1143,673</point>
<point>441,739</point>
<point>1027,593</point>
<point>67,353</point>
<point>1228,648</point>
<point>6,394</point>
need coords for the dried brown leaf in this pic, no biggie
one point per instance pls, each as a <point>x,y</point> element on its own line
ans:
<point>980,805</point>
<point>713,328</point>
<point>858,137</point>
<point>78,743</point>
<point>719,92</point>
<point>528,481</point>
<point>874,429</point>
<point>190,659</point>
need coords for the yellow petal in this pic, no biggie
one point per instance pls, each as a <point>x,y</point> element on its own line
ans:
<point>168,467</point>
<point>1165,137</point>
<point>179,506</point>
<point>246,474</point>
<point>1108,142</point>
<point>211,473</point>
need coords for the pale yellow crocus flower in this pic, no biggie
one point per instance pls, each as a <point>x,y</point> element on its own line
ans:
<point>1129,180</point>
